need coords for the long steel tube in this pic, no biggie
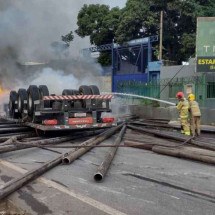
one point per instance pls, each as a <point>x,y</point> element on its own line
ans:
<point>11,130</point>
<point>102,169</point>
<point>17,183</point>
<point>31,144</point>
<point>173,137</point>
<point>10,140</point>
<point>70,157</point>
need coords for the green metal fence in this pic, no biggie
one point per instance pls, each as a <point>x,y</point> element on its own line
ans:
<point>203,86</point>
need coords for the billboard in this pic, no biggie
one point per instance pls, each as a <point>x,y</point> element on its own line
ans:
<point>205,44</point>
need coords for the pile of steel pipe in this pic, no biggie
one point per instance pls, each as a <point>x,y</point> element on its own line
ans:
<point>17,183</point>
<point>173,137</point>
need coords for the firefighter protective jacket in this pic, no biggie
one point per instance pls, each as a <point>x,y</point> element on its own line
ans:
<point>183,108</point>
<point>194,108</point>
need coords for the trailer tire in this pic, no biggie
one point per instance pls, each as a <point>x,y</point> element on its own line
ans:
<point>44,91</point>
<point>96,102</point>
<point>67,92</point>
<point>85,90</point>
<point>33,95</point>
<point>94,90</point>
<point>12,105</point>
<point>75,92</point>
<point>22,96</point>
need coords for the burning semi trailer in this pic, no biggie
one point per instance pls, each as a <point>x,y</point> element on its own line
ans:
<point>75,109</point>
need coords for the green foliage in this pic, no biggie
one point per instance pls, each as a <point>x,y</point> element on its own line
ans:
<point>141,18</point>
<point>104,59</point>
<point>68,38</point>
<point>98,22</point>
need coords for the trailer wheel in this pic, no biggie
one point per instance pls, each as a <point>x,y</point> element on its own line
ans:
<point>67,92</point>
<point>44,92</point>
<point>85,90</point>
<point>96,102</point>
<point>22,96</point>
<point>33,95</point>
<point>75,92</point>
<point>12,105</point>
<point>94,89</point>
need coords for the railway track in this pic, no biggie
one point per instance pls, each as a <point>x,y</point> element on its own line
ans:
<point>156,136</point>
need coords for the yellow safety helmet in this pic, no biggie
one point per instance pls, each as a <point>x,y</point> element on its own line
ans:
<point>191,97</point>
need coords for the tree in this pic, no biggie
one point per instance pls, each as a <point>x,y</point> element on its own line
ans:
<point>68,38</point>
<point>100,24</point>
<point>141,18</point>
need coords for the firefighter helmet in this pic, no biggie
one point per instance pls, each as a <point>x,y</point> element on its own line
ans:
<point>191,97</point>
<point>180,95</point>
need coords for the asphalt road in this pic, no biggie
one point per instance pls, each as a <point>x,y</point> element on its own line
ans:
<point>138,182</point>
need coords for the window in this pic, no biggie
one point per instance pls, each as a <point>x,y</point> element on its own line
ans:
<point>210,89</point>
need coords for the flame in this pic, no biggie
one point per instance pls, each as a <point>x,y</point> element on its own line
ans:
<point>3,91</point>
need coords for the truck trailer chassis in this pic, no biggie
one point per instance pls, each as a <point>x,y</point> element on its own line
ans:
<point>74,109</point>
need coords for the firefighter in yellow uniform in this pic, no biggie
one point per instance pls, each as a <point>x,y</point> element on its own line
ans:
<point>195,115</point>
<point>183,108</point>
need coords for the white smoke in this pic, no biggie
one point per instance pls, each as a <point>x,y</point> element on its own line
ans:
<point>27,30</point>
<point>57,80</point>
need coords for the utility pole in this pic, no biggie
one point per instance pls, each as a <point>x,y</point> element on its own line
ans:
<point>161,35</point>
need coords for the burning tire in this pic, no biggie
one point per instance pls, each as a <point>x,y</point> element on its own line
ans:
<point>33,95</point>
<point>43,89</point>
<point>22,96</point>
<point>12,104</point>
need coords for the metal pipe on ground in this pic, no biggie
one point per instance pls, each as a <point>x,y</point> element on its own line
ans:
<point>21,146</point>
<point>4,137</point>
<point>204,145</point>
<point>152,124</point>
<point>148,146</point>
<point>71,156</point>
<point>11,130</point>
<point>10,126</point>
<point>40,143</point>
<point>11,140</point>
<point>102,169</point>
<point>86,146</point>
<point>17,183</point>
<point>203,155</point>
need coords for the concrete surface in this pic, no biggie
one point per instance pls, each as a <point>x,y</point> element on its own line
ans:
<point>170,113</point>
<point>138,182</point>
